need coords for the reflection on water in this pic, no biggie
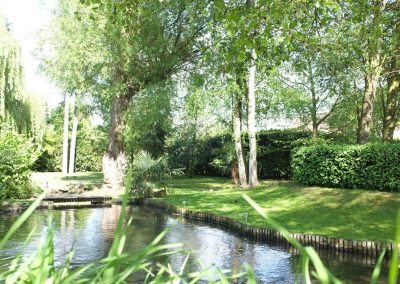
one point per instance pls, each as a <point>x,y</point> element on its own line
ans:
<point>90,232</point>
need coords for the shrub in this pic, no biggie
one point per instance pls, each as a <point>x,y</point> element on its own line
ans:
<point>274,150</point>
<point>215,156</point>
<point>16,159</point>
<point>372,166</point>
<point>196,157</point>
<point>146,175</point>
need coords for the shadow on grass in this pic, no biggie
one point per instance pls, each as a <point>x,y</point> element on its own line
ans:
<point>344,213</point>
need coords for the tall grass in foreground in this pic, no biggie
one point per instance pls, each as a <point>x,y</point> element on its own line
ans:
<point>123,267</point>
<point>118,267</point>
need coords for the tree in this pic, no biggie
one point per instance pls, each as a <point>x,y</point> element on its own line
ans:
<point>252,34</point>
<point>65,136</point>
<point>237,134</point>
<point>251,96</point>
<point>148,42</point>
<point>373,56</point>
<point>72,151</point>
<point>392,74</point>
<point>14,102</point>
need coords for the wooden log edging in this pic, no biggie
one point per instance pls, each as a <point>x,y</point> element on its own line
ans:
<point>60,198</point>
<point>336,245</point>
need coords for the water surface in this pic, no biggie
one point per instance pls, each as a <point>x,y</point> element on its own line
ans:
<point>90,232</point>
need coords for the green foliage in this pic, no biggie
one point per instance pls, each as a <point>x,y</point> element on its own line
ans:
<point>225,158</point>
<point>214,155</point>
<point>90,145</point>
<point>146,174</point>
<point>199,156</point>
<point>16,158</point>
<point>19,110</point>
<point>274,150</point>
<point>149,119</point>
<point>372,166</point>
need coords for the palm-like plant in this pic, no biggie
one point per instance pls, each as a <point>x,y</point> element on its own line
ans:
<point>146,174</point>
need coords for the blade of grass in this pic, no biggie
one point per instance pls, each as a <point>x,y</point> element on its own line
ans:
<point>394,261</point>
<point>377,269</point>
<point>251,279</point>
<point>322,273</point>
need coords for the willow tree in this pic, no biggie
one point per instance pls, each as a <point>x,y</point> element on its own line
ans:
<point>14,104</point>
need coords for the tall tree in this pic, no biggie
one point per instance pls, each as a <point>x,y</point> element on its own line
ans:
<point>252,34</point>
<point>237,137</point>
<point>251,96</point>
<point>147,41</point>
<point>374,58</point>
<point>14,102</point>
<point>65,135</point>
<point>392,74</point>
<point>72,151</point>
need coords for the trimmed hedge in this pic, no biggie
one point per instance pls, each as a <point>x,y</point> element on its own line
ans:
<point>274,149</point>
<point>371,166</point>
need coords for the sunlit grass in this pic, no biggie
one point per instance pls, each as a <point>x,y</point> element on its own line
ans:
<point>342,213</point>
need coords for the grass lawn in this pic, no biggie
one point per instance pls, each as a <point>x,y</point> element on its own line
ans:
<point>343,213</point>
<point>56,180</point>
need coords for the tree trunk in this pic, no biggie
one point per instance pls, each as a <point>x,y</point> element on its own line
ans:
<point>251,93</point>
<point>372,72</point>
<point>314,101</point>
<point>65,140</point>
<point>391,107</point>
<point>235,174</point>
<point>72,151</point>
<point>371,84</point>
<point>192,162</point>
<point>115,163</point>
<point>237,137</point>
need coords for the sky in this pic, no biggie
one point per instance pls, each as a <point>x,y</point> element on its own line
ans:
<point>27,17</point>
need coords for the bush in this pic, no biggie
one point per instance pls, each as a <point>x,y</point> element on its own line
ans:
<point>16,159</point>
<point>146,175</point>
<point>274,150</point>
<point>372,166</point>
<point>196,157</point>
<point>215,155</point>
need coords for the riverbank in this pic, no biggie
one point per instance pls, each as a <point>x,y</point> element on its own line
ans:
<point>336,213</point>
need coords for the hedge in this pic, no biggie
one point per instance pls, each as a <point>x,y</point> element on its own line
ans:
<point>273,152</point>
<point>371,166</point>
<point>274,149</point>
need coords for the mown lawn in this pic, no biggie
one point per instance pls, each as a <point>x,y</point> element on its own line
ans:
<point>343,213</point>
<point>55,180</point>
